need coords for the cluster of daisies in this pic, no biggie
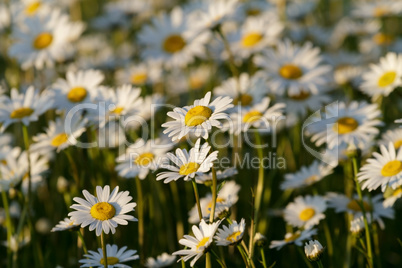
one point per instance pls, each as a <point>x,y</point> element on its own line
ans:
<point>105,93</point>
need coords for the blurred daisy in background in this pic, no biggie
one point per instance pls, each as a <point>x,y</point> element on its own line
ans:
<point>188,164</point>
<point>206,178</point>
<point>377,9</point>
<point>23,107</point>
<point>5,17</point>
<point>163,260</point>
<point>38,166</point>
<point>198,118</point>
<point>104,212</point>
<point>394,136</point>
<point>199,243</point>
<point>231,235</point>
<point>305,211</point>
<point>293,69</point>
<point>64,225</point>
<point>140,74</point>
<point>13,168</point>
<point>391,196</point>
<point>296,238</point>
<point>301,104</point>
<point>307,175</point>
<point>115,257</point>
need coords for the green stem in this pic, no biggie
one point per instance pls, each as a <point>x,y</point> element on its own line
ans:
<point>221,263</point>
<point>319,263</point>
<point>231,61</point>
<point>140,209</point>
<point>329,240</point>
<point>197,198</point>
<point>366,225</point>
<point>9,226</point>
<point>208,260</point>
<point>84,246</point>
<point>264,262</point>
<point>243,255</point>
<point>74,168</point>
<point>104,249</point>
<point>214,195</point>
<point>303,255</point>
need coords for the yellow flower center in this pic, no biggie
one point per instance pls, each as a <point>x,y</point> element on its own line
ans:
<point>139,78</point>
<point>252,116</point>
<point>77,94</point>
<point>253,12</point>
<point>71,223</point>
<point>203,242</point>
<point>110,261</point>
<point>307,214</point>
<point>301,96</point>
<point>118,110</point>
<point>32,8</point>
<point>398,144</point>
<point>251,39</point>
<point>311,179</point>
<point>383,39</point>
<point>174,43</point>
<point>290,71</point>
<point>144,159</point>
<point>188,168</point>
<point>345,125</point>
<point>387,79</point>
<point>243,99</point>
<point>234,237</point>
<point>42,41</point>
<point>218,200</point>
<point>292,237</point>
<point>197,115</point>
<point>355,206</point>
<point>397,192</point>
<point>391,168</point>
<point>381,11</point>
<point>59,139</point>
<point>21,113</point>
<point>103,211</point>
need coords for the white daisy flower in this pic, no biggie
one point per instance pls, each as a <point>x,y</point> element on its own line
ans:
<point>303,103</point>
<point>255,35</point>
<point>188,164</point>
<point>377,9</point>
<point>198,118</point>
<point>44,40</point>
<point>115,257</point>
<point>39,165</point>
<point>200,76</point>
<point>394,136</point>
<point>24,107</point>
<point>305,211</point>
<point>373,206</point>
<point>245,90</point>
<point>296,238</point>
<point>297,9</point>
<point>313,250</point>
<point>383,170</point>
<point>226,198</point>
<point>252,9</point>
<point>103,212</point>
<point>5,17</point>
<point>392,197</point>
<point>354,124</point>
<point>199,243</point>
<point>59,135</point>
<point>383,78</point>
<point>64,225</point>
<point>28,8</point>
<point>230,235</point>
<point>171,41</point>
<point>141,157</point>
<point>13,167</point>
<point>258,116</point>
<point>163,260</point>
<point>294,69</point>
<point>220,175</point>
<point>140,74</point>
<point>357,225</point>
<point>307,175</point>
<point>78,87</point>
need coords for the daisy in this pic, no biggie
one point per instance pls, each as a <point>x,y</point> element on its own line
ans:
<point>394,136</point>
<point>170,41</point>
<point>199,243</point>
<point>13,168</point>
<point>296,238</point>
<point>163,260</point>
<point>44,40</point>
<point>294,69</point>
<point>5,17</point>
<point>373,206</point>
<point>383,170</point>
<point>313,250</point>
<point>64,225</point>
<point>199,77</point>
<point>258,116</point>
<point>230,235</point>
<point>252,9</point>
<point>198,118</point>
<point>188,164</point>
<point>78,87</point>
<point>103,212</point>
<point>354,124</point>
<point>357,225</point>
<point>307,175</point>
<point>24,107</point>
<point>383,78</point>
<point>305,211</point>
<point>115,257</point>
<point>141,157</point>
<point>301,104</point>
<point>393,196</point>
<point>226,198</point>
<point>59,135</point>
<point>39,165</point>
<point>256,34</point>
<point>259,239</point>
<point>220,175</point>
<point>140,74</point>
<point>245,90</point>
<point>377,9</point>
